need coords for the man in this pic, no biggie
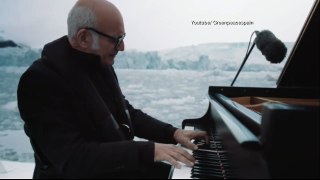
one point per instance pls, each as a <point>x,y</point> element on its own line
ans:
<point>78,121</point>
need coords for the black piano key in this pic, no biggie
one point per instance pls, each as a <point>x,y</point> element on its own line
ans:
<point>207,156</point>
<point>206,172</point>
<point>201,176</point>
<point>203,155</point>
<point>210,151</point>
<point>212,167</point>
<point>207,176</point>
<point>214,172</point>
<point>224,160</point>
<point>209,146</point>
<point>210,142</point>
<point>211,164</point>
<point>213,161</point>
<point>205,168</point>
<point>211,158</point>
<point>209,169</point>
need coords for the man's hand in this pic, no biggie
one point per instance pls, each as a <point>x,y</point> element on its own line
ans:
<point>175,154</point>
<point>184,137</point>
<point>172,154</point>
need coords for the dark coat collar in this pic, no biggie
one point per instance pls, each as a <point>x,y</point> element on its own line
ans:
<point>72,65</point>
<point>61,50</point>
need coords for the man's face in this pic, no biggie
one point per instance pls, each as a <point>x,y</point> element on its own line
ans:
<point>108,46</point>
<point>109,28</point>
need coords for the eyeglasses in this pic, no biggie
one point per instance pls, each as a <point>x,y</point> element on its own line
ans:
<point>116,40</point>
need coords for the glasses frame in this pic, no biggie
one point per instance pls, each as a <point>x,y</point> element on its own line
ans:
<point>116,40</point>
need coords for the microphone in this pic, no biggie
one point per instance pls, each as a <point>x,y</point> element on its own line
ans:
<point>271,47</point>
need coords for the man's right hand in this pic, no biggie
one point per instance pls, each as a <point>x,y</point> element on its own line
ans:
<point>172,154</point>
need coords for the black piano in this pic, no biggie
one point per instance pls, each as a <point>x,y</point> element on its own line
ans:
<point>265,132</point>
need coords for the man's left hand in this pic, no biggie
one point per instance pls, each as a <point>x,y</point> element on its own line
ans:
<point>184,137</point>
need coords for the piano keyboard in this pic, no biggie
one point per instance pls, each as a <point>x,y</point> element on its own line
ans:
<point>211,161</point>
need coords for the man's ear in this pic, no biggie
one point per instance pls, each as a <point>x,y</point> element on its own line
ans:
<point>83,38</point>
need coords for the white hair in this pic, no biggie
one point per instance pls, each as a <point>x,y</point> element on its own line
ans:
<point>80,17</point>
<point>95,43</point>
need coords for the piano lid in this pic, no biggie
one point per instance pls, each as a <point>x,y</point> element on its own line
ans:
<point>302,66</point>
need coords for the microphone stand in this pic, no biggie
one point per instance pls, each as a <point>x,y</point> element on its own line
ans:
<point>243,62</point>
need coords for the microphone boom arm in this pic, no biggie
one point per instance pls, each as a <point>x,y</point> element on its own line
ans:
<point>243,62</point>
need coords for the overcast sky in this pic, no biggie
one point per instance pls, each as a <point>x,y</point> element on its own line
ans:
<point>160,24</point>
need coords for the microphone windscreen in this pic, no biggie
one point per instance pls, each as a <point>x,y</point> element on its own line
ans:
<point>271,47</point>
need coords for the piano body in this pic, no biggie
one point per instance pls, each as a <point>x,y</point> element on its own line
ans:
<point>265,132</point>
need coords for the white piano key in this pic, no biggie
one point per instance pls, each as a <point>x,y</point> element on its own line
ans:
<point>184,172</point>
<point>189,128</point>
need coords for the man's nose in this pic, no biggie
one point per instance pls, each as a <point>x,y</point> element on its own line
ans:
<point>121,46</point>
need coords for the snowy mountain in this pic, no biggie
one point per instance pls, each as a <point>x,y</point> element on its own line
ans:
<point>211,56</point>
<point>19,55</point>
<point>224,56</point>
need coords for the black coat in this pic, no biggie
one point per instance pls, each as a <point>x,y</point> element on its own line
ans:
<point>73,110</point>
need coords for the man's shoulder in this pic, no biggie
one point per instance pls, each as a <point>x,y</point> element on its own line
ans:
<point>39,71</point>
<point>52,56</point>
<point>38,67</point>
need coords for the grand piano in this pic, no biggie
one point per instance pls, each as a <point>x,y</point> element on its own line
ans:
<point>264,132</point>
